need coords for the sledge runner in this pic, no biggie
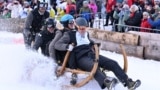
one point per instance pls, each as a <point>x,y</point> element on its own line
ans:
<point>82,57</point>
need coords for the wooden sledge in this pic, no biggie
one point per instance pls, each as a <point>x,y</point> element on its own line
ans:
<point>93,71</point>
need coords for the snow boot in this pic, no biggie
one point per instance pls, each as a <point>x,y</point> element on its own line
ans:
<point>73,79</point>
<point>132,85</point>
<point>110,82</point>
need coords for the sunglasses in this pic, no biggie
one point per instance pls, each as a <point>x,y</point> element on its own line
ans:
<point>71,21</point>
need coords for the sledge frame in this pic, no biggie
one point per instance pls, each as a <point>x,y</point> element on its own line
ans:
<point>92,72</point>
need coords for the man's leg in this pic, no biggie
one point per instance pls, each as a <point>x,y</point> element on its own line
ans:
<point>86,64</point>
<point>27,40</point>
<point>107,19</point>
<point>113,66</point>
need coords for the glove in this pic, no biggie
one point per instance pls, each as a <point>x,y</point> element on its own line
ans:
<point>70,47</point>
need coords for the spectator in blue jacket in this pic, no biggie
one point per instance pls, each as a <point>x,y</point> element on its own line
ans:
<point>155,24</point>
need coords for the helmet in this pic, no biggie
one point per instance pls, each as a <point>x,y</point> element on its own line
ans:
<point>50,22</point>
<point>43,3</point>
<point>66,19</point>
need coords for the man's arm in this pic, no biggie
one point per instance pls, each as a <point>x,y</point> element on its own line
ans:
<point>63,42</point>
<point>28,21</point>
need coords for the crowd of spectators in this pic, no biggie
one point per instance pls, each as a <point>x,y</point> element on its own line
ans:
<point>136,13</point>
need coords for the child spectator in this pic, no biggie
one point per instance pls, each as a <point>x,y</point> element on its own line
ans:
<point>145,23</point>
<point>71,8</point>
<point>85,11</point>
<point>92,5</point>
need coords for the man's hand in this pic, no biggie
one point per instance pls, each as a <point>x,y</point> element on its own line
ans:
<point>70,47</point>
<point>59,72</point>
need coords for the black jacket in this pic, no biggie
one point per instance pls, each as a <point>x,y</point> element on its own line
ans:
<point>42,40</point>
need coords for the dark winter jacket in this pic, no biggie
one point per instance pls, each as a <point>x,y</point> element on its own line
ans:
<point>134,19</point>
<point>42,41</point>
<point>78,52</point>
<point>53,53</point>
<point>34,20</point>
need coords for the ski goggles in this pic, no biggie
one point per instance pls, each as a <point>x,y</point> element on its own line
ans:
<point>50,25</point>
<point>43,5</point>
<point>71,21</point>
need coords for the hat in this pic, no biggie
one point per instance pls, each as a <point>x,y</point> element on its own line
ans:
<point>85,2</point>
<point>81,21</point>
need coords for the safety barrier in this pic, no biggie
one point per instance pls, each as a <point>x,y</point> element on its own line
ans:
<point>140,44</point>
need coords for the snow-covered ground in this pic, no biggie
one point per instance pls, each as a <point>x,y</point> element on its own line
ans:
<point>22,69</point>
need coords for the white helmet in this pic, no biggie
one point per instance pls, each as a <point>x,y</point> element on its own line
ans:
<point>43,3</point>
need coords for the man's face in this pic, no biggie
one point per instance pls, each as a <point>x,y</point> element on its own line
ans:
<point>82,29</point>
<point>71,24</point>
<point>42,7</point>
<point>50,28</point>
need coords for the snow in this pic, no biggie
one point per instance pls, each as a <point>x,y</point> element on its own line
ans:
<point>22,69</point>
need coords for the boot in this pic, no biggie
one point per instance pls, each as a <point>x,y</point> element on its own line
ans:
<point>110,82</point>
<point>73,79</point>
<point>132,85</point>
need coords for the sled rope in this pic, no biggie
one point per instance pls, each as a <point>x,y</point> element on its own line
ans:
<point>125,67</point>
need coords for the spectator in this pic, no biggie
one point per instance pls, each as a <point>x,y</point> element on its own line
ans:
<point>26,9</point>
<point>15,8</point>
<point>110,10</point>
<point>122,16</point>
<point>61,9</point>
<point>71,8</point>
<point>85,12</point>
<point>6,13</point>
<point>155,23</point>
<point>145,23</point>
<point>155,14</point>
<point>134,18</point>
<point>92,5</point>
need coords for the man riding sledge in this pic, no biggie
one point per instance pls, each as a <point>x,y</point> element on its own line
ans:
<point>82,57</point>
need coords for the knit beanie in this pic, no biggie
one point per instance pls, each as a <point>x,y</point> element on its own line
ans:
<point>81,21</point>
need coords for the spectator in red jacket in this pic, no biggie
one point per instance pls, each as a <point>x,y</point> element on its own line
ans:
<point>145,23</point>
<point>110,10</point>
<point>71,8</point>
